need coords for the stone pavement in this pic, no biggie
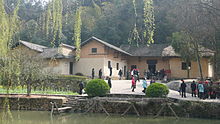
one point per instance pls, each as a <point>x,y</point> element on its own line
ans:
<point>124,87</point>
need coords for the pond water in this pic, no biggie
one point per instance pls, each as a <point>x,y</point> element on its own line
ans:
<point>36,117</point>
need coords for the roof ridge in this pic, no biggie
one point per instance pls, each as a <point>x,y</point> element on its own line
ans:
<point>33,46</point>
<point>105,43</point>
<point>67,45</point>
<point>32,43</point>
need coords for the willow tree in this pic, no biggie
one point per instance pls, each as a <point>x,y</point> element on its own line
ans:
<point>149,20</point>
<point>145,33</point>
<point>52,21</point>
<point>77,33</point>
<point>9,69</point>
<point>134,34</point>
<point>8,28</point>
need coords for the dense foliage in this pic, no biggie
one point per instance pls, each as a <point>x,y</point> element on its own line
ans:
<point>157,90</point>
<point>97,87</point>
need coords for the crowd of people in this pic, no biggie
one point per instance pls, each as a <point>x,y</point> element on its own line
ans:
<point>200,89</point>
<point>136,77</point>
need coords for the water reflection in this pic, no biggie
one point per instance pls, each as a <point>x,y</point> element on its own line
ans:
<point>33,117</point>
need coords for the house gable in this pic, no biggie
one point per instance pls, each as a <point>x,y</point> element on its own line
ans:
<point>67,50</point>
<point>87,50</point>
<point>105,44</point>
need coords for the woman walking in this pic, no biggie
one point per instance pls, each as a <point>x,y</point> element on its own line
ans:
<point>133,81</point>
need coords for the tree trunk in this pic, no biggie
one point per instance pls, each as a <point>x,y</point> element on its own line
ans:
<point>28,88</point>
<point>188,73</point>
<point>215,67</point>
<point>198,60</point>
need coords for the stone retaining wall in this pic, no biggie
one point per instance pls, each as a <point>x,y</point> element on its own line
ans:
<point>148,106</point>
<point>39,104</point>
<point>118,105</point>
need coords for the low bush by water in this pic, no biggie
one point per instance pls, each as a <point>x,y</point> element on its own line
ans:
<point>97,87</point>
<point>157,90</point>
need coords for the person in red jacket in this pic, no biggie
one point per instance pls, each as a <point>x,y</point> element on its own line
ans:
<point>133,83</point>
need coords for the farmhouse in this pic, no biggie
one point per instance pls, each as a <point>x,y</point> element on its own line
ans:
<point>98,54</point>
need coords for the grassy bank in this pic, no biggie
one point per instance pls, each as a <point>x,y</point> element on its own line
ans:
<point>46,92</point>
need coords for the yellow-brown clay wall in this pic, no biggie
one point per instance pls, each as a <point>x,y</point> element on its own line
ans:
<point>142,65</point>
<point>177,72</point>
<point>87,48</point>
<point>99,60</point>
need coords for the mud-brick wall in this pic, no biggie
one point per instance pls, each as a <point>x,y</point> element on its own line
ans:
<point>39,104</point>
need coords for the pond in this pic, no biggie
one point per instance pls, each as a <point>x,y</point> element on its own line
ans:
<point>36,117</point>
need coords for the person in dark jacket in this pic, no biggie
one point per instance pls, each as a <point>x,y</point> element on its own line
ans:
<point>93,73</point>
<point>193,88</point>
<point>120,74</point>
<point>81,87</point>
<point>183,88</point>
<point>100,73</point>
<point>110,70</point>
<point>109,82</point>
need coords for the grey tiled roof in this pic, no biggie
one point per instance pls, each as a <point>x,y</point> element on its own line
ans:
<point>53,53</point>
<point>159,50</point>
<point>154,50</point>
<point>107,44</point>
<point>33,46</point>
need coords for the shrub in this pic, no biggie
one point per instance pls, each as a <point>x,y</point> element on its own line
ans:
<point>157,90</point>
<point>97,87</point>
<point>79,74</point>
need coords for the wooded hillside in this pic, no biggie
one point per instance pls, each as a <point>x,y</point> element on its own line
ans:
<point>50,22</point>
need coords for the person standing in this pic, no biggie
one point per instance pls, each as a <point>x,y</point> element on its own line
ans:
<point>144,85</point>
<point>93,73</point>
<point>100,73</point>
<point>201,90</point>
<point>133,83</point>
<point>109,82</point>
<point>193,88</point>
<point>138,75</point>
<point>110,69</point>
<point>183,88</point>
<point>120,74</point>
<point>81,87</point>
<point>135,74</point>
<point>206,86</point>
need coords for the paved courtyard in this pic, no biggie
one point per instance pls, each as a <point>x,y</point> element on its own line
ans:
<point>124,87</point>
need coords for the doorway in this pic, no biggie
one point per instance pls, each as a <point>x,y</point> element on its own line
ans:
<point>152,66</point>
<point>71,68</point>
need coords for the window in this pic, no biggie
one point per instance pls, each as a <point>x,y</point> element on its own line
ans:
<point>109,64</point>
<point>117,66</point>
<point>184,65</point>
<point>94,50</point>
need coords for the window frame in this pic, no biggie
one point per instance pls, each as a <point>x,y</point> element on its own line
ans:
<point>184,65</point>
<point>94,50</point>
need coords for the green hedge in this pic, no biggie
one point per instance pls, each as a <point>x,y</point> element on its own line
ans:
<point>97,87</point>
<point>157,90</point>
